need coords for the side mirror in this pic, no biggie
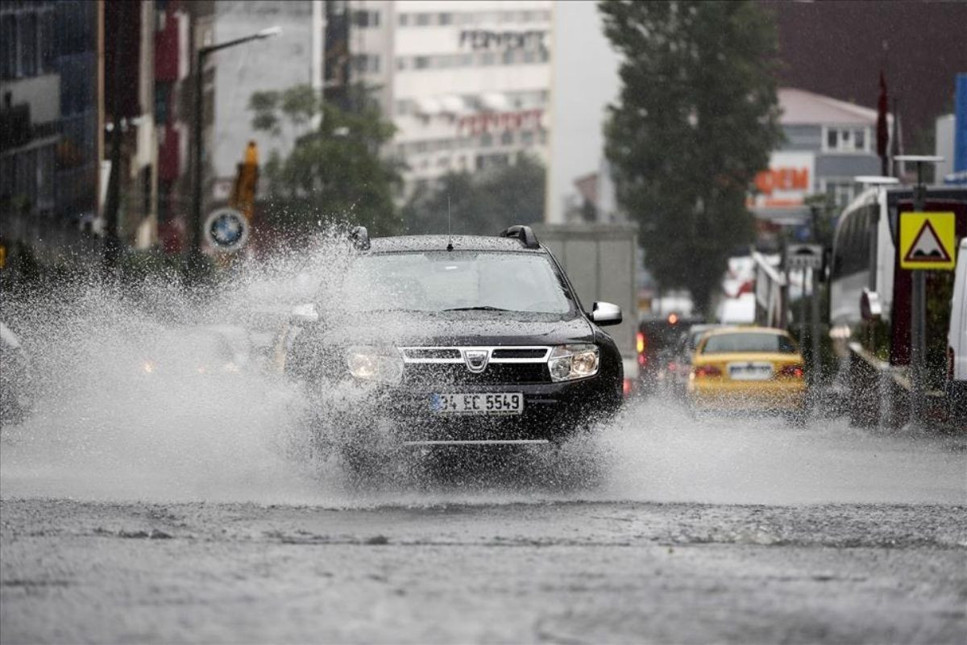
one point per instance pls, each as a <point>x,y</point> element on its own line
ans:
<point>870,307</point>
<point>605,313</point>
<point>304,315</point>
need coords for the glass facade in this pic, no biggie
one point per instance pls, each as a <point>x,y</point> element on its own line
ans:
<point>75,60</point>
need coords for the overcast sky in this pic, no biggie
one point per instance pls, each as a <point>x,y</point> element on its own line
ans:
<point>585,81</point>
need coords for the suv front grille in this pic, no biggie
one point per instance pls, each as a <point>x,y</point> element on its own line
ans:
<point>435,366</point>
<point>445,374</point>
<point>418,354</point>
<point>535,353</point>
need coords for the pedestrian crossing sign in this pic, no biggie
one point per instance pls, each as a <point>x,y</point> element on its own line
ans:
<point>927,241</point>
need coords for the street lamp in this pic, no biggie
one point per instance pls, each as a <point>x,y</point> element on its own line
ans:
<point>193,259</point>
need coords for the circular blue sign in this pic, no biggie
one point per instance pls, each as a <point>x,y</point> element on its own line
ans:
<point>227,229</point>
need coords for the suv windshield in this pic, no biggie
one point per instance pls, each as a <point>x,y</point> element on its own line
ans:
<point>436,281</point>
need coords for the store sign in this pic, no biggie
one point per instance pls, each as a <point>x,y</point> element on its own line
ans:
<point>786,182</point>
<point>475,124</point>
<point>484,40</point>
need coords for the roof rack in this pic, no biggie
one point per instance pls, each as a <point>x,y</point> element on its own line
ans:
<point>523,233</point>
<point>360,238</point>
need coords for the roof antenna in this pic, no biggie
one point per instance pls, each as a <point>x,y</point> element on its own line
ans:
<point>449,237</point>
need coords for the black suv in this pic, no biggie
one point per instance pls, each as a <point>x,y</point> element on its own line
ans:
<point>433,340</point>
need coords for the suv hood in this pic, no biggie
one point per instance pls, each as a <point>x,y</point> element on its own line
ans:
<point>459,329</point>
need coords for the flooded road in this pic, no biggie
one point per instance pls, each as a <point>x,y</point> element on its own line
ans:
<point>139,505</point>
<point>658,529</point>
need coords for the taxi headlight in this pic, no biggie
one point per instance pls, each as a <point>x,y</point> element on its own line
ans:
<point>373,364</point>
<point>569,362</point>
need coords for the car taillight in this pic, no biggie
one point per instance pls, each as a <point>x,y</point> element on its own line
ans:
<point>706,371</point>
<point>673,367</point>
<point>640,342</point>
<point>792,371</point>
<point>627,387</point>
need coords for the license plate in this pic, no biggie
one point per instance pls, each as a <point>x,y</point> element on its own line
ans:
<point>481,403</point>
<point>750,371</point>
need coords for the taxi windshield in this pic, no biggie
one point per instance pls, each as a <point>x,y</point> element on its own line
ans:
<point>748,342</point>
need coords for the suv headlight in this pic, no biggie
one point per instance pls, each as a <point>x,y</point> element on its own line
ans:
<point>375,364</point>
<point>569,362</point>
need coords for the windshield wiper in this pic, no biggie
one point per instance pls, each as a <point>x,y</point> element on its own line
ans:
<point>481,308</point>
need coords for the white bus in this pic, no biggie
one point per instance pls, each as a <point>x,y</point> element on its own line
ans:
<point>870,295</point>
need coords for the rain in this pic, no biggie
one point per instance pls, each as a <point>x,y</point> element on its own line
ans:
<point>273,410</point>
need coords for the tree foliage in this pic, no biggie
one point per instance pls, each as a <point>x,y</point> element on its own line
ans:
<point>480,205</point>
<point>334,173</point>
<point>696,118</point>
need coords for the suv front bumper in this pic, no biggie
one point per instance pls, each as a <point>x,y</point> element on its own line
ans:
<point>551,412</point>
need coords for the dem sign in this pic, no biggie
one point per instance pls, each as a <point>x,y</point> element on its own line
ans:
<point>226,230</point>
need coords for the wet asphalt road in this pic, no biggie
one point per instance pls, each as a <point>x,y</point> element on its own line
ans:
<point>740,531</point>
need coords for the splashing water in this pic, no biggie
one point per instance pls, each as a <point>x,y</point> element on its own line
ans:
<point>134,401</point>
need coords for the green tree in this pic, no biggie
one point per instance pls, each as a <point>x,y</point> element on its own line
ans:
<point>695,120</point>
<point>480,204</point>
<point>334,173</point>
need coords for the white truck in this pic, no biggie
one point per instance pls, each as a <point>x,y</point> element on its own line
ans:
<point>600,260</point>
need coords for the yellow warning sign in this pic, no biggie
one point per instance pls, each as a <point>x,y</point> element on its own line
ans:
<point>927,241</point>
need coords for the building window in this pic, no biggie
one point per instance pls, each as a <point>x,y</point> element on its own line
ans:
<point>840,191</point>
<point>507,138</point>
<point>162,94</point>
<point>846,139</point>
<point>445,19</point>
<point>421,62</point>
<point>366,63</point>
<point>8,46</point>
<point>47,43</point>
<point>486,140</point>
<point>28,44</point>
<point>402,63</point>
<point>422,19</point>
<point>363,18</point>
<point>404,19</point>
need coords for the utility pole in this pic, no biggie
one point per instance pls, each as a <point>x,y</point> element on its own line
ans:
<point>918,307</point>
<point>816,368</point>
<point>112,204</point>
<point>193,257</point>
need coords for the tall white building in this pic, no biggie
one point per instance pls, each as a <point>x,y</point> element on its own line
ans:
<point>466,82</point>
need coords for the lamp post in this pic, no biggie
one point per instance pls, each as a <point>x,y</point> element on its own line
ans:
<point>193,259</point>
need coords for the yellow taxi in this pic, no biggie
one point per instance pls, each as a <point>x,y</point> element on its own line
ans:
<point>748,369</point>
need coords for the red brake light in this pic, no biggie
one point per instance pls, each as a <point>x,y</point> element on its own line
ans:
<point>706,371</point>
<point>794,371</point>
